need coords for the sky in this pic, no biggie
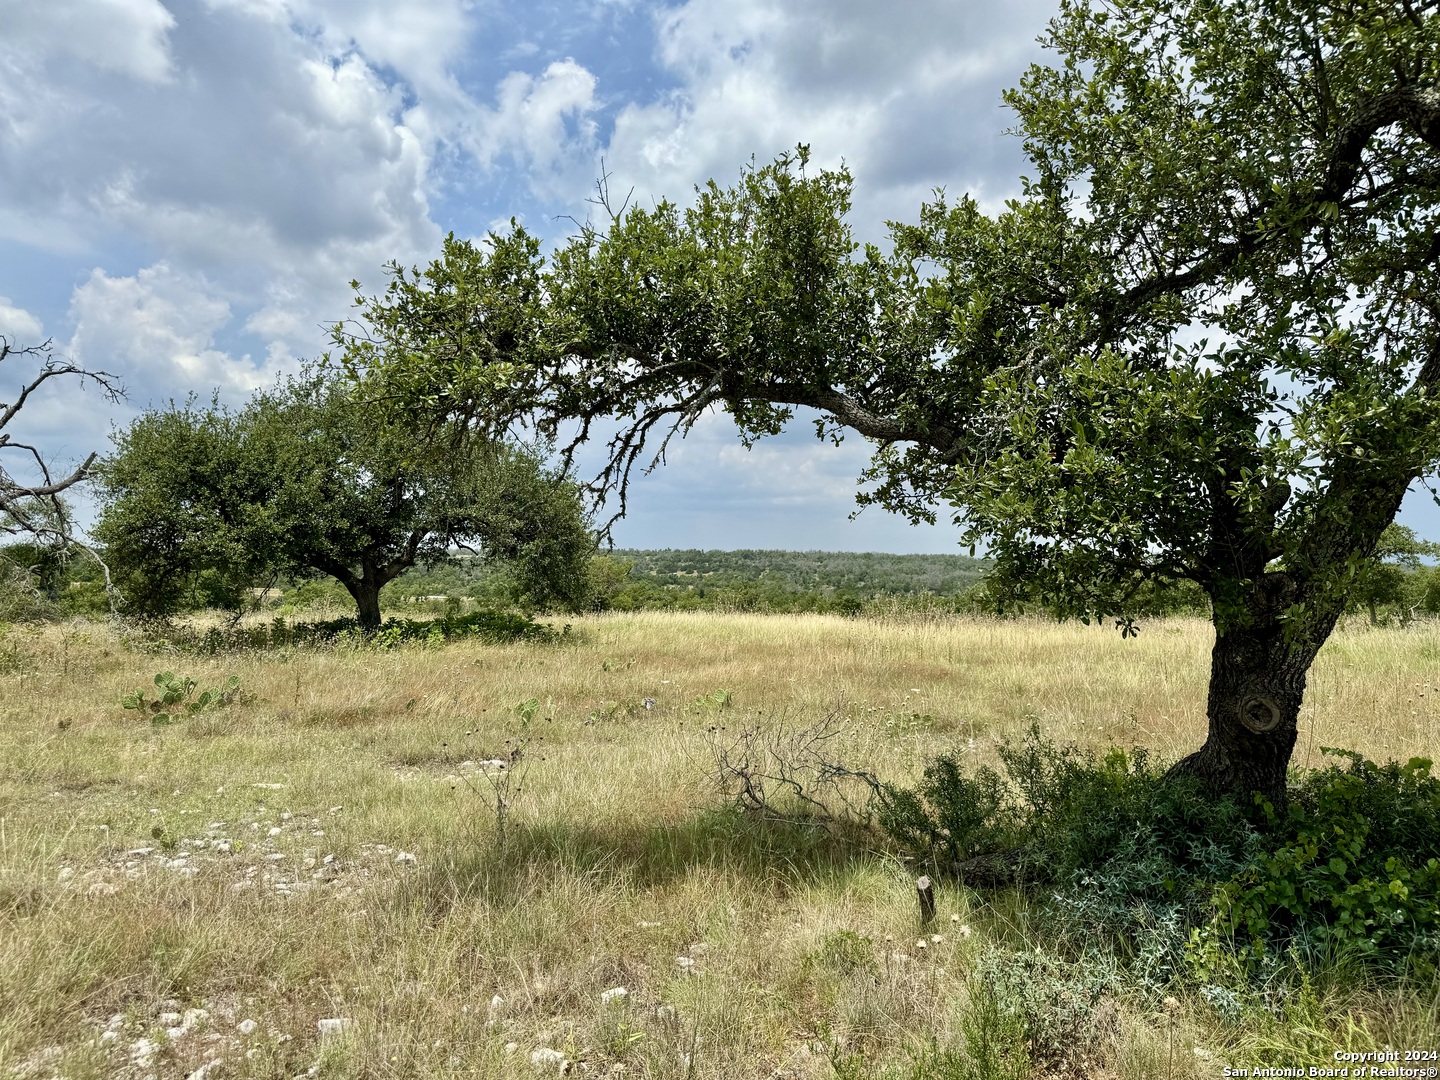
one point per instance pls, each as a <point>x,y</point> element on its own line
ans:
<point>187,187</point>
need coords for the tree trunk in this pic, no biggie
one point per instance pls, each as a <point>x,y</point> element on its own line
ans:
<point>1257,683</point>
<point>366,592</point>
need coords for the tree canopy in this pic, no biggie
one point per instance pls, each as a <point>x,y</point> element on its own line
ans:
<point>1202,343</point>
<point>309,478</point>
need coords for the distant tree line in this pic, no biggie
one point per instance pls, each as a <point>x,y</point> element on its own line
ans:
<point>1396,586</point>
<point>862,572</point>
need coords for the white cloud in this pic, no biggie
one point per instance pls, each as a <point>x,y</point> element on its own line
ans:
<point>159,327</point>
<point>531,115</point>
<point>18,325</point>
<point>420,42</point>
<point>294,148</point>
<point>128,37</point>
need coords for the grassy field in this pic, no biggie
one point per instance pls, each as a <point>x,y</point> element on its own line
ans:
<point>317,880</point>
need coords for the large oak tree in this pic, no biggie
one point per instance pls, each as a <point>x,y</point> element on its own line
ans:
<point>1202,344</point>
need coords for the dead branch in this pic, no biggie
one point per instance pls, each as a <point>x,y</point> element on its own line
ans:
<point>765,766</point>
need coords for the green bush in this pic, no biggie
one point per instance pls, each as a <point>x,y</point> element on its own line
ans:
<point>1074,812</point>
<point>1169,879</point>
<point>1357,873</point>
<point>951,818</point>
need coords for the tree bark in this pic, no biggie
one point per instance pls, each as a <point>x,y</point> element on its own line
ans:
<point>1257,684</point>
<point>366,592</point>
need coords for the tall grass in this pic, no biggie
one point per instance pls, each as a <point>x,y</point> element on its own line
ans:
<point>329,848</point>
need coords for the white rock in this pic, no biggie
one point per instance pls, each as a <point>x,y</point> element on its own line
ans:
<point>169,1018</point>
<point>109,1036</point>
<point>511,1047</point>
<point>275,856</point>
<point>274,831</point>
<point>116,1022</point>
<point>542,1057</point>
<point>405,857</point>
<point>334,1026</point>
<point>497,1003</point>
<point>246,1027</point>
<point>615,993</point>
<point>143,1051</point>
<point>194,1016</point>
<point>204,1071</point>
<point>684,963</point>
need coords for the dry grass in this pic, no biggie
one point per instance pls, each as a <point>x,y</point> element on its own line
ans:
<point>254,862</point>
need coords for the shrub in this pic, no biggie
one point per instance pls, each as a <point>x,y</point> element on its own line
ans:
<point>1074,811</point>
<point>1170,878</point>
<point>490,626</point>
<point>1356,872</point>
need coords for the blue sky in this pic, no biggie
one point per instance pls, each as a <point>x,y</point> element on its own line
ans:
<point>187,186</point>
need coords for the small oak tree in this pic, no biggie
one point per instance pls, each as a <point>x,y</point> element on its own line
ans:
<point>309,478</point>
<point>1384,578</point>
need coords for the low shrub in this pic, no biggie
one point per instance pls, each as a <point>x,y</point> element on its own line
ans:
<point>1356,873</point>
<point>1171,879</point>
<point>490,626</point>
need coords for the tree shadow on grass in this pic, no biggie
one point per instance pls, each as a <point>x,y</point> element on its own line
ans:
<point>784,852</point>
